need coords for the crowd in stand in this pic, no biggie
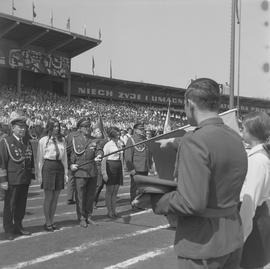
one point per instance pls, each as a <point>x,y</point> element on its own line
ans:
<point>39,105</point>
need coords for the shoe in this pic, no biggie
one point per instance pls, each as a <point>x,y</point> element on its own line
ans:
<point>136,209</point>
<point>115,215</point>
<point>111,216</point>
<point>21,231</point>
<point>91,222</point>
<point>9,236</point>
<point>48,228</point>
<point>55,227</point>
<point>83,223</point>
<point>71,202</point>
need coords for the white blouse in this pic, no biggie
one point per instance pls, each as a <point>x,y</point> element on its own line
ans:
<point>46,150</point>
<point>110,147</point>
<point>256,188</point>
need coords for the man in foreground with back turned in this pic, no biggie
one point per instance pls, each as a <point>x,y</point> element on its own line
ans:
<point>211,165</point>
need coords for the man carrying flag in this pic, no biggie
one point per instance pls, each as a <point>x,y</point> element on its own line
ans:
<point>101,139</point>
<point>211,165</point>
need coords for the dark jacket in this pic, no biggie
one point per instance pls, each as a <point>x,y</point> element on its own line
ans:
<point>83,150</point>
<point>138,157</point>
<point>16,161</point>
<point>211,166</point>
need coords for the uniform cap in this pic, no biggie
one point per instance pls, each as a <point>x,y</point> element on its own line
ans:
<point>138,125</point>
<point>83,122</point>
<point>17,119</point>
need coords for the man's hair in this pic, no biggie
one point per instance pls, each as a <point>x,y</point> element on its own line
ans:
<point>205,93</point>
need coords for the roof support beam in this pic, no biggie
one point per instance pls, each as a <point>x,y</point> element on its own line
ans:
<point>61,44</point>
<point>8,29</point>
<point>33,38</point>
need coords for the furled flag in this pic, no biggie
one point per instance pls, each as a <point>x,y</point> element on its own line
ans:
<point>93,65</point>
<point>84,29</point>
<point>167,125</point>
<point>110,68</point>
<point>68,23</point>
<point>33,10</point>
<point>99,124</point>
<point>13,7</point>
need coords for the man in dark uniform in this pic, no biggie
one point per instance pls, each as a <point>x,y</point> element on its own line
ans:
<point>138,159</point>
<point>211,166</point>
<point>84,149</point>
<point>16,172</point>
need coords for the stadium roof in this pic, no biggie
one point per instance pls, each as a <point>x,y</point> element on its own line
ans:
<point>126,83</point>
<point>29,33</point>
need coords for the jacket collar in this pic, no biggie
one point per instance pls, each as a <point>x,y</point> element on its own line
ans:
<point>255,149</point>
<point>211,121</point>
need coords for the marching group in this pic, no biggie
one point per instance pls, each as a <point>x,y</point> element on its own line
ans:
<point>222,198</point>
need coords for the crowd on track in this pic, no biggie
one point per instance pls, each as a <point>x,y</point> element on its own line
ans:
<point>39,105</point>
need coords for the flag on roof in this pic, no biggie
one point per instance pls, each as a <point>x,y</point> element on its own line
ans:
<point>93,65</point>
<point>33,10</point>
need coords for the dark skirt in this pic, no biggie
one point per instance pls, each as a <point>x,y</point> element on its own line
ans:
<point>114,172</point>
<point>256,250</point>
<point>53,175</point>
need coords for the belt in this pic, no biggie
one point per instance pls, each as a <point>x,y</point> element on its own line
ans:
<point>52,160</point>
<point>218,212</point>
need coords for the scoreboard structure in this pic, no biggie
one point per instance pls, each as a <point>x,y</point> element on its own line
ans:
<point>36,48</point>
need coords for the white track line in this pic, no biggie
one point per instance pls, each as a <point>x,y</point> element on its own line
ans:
<point>64,203</point>
<point>81,248</point>
<point>74,213</point>
<point>143,257</point>
<point>33,235</point>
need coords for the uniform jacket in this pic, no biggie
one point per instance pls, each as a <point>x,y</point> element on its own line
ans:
<point>82,150</point>
<point>16,161</point>
<point>211,165</point>
<point>138,157</point>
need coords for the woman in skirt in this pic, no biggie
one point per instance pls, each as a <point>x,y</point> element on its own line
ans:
<point>112,170</point>
<point>255,193</point>
<point>52,169</point>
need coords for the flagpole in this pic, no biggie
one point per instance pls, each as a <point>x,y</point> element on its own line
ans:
<point>232,60</point>
<point>239,58</point>
<point>110,68</point>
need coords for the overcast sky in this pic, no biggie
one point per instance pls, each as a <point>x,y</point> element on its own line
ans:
<point>164,42</point>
